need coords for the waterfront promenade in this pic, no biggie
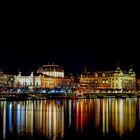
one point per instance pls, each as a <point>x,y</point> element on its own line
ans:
<point>41,96</point>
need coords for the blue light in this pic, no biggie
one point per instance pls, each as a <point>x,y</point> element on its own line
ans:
<point>10,116</point>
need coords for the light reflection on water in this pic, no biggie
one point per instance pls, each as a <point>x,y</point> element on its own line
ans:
<point>66,118</point>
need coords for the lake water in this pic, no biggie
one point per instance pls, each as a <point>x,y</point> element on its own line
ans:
<point>70,119</point>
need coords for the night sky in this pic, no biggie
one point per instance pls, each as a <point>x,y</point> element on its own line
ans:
<point>98,43</point>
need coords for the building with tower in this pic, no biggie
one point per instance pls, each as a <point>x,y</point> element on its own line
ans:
<point>109,81</point>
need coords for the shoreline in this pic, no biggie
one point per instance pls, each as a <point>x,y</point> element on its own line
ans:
<point>31,96</point>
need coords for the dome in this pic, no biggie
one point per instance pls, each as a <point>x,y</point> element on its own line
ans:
<point>51,70</point>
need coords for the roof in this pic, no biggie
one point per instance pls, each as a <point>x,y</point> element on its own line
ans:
<point>50,68</point>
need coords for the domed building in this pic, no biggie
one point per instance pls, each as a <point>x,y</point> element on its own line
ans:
<point>51,70</point>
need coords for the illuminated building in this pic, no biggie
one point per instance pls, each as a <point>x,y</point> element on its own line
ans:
<point>10,80</point>
<point>3,79</point>
<point>23,81</point>
<point>50,82</point>
<point>51,70</point>
<point>37,80</point>
<point>6,82</point>
<point>40,80</point>
<point>138,85</point>
<point>28,80</point>
<point>96,80</point>
<point>52,76</point>
<point>129,81</point>
<point>115,81</point>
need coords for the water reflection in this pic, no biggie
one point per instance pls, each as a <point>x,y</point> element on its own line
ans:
<point>56,119</point>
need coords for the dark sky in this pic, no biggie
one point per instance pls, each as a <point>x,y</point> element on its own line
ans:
<point>98,42</point>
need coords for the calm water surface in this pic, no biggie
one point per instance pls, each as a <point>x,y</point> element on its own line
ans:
<point>70,119</point>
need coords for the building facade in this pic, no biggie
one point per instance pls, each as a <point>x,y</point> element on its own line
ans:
<point>51,70</point>
<point>52,76</point>
<point>108,81</point>
<point>24,81</point>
